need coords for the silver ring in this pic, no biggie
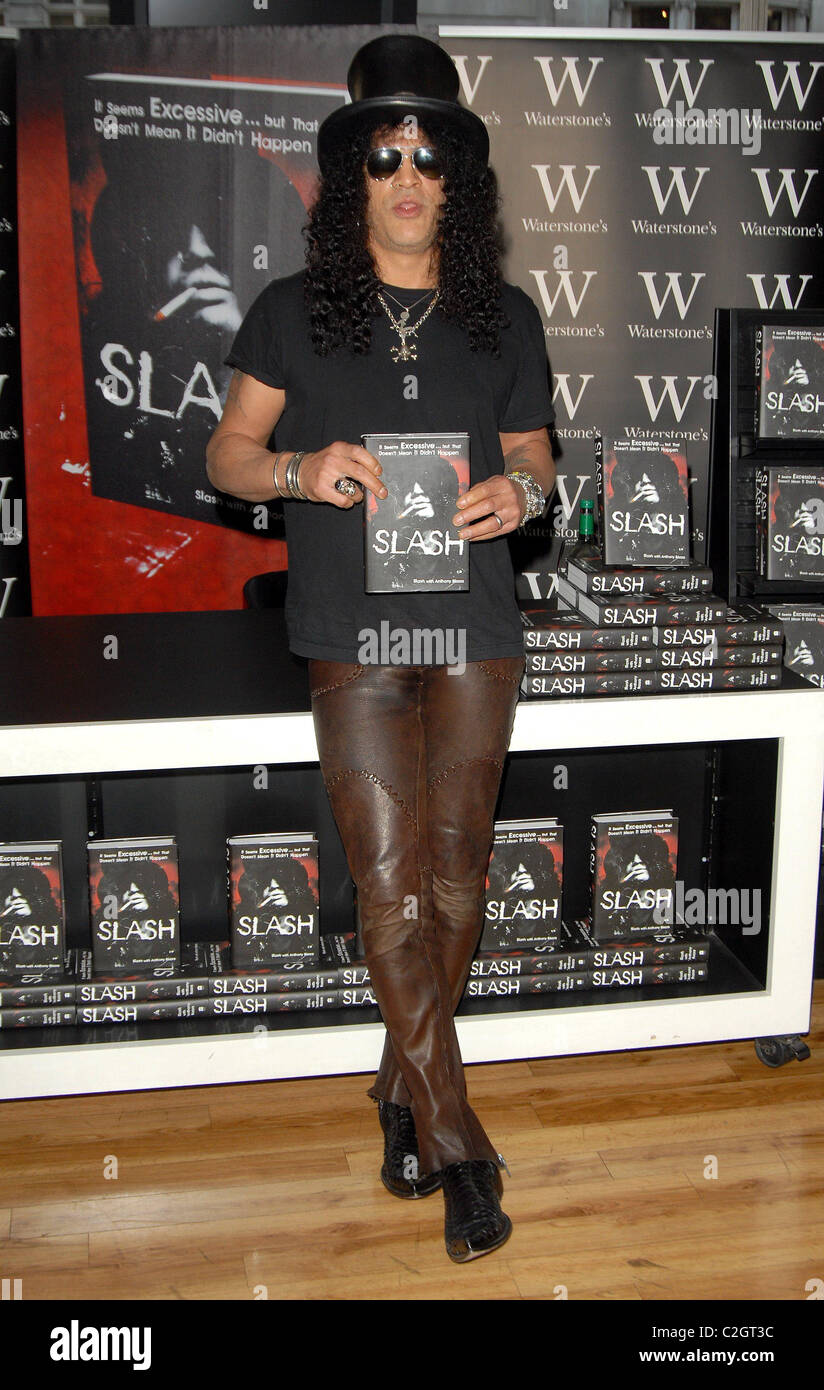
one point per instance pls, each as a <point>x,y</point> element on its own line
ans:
<point>346,486</point>
<point>498,519</point>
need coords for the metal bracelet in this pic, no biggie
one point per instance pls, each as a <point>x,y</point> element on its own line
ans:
<point>533,492</point>
<point>297,461</point>
<point>277,486</point>
<point>292,477</point>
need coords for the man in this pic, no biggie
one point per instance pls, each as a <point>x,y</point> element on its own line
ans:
<point>401,324</point>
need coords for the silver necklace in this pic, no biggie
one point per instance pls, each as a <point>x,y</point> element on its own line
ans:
<point>406,308</point>
<point>407,352</point>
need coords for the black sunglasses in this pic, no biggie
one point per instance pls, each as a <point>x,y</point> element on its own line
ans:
<point>386,161</point>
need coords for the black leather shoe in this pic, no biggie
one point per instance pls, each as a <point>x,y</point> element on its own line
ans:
<point>474,1223</point>
<point>400,1154</point>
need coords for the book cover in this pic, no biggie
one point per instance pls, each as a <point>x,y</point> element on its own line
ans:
<point>524,884</point>
<point>32,912</point>
<point>273,899</point>
<point>790,375</point>
<point>410,542</point>
<point>643,499</point>
<point>803,626</point>
<point>633,860</point>
<point>790,521</point>
<point>563,629</point>
<point>167,241</point>
<point>592,577</point>
<point>134,903</point>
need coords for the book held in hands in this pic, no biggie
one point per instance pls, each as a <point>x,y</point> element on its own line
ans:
<point>410,542</point>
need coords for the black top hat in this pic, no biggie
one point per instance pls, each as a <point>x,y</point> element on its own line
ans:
<point>395,76</point>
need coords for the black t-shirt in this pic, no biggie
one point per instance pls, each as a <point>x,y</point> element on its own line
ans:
<point>344,396</point>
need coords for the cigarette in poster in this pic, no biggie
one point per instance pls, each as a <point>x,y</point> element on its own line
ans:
<point>166,310</point>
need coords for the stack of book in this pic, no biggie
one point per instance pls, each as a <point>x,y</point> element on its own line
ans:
<point>616,632</point>
<point>579,961</point>
<point>203,986</point>
<point>635,614</point>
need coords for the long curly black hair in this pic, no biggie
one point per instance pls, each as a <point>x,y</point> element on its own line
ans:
<point>341,284</point>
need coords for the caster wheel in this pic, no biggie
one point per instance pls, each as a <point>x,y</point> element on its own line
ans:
<point>772,1052</point>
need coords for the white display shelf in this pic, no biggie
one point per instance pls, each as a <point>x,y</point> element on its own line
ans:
<point>793,717</point>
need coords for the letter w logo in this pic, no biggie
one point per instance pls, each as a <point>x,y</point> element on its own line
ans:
<point>567,181</point>
<point>677,182</point>
<point>787,185</point>
<point>673,288</point>
<point>570,74</point>
<point>791,77</point>
<point>565,285</point>
<point>466,86</point>
<point>562,389</point>
<point>681,75</point>
<point>782,289</point>
<point>670,392</point>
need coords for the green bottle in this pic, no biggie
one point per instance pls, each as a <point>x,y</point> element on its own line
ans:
<point>587,545</point>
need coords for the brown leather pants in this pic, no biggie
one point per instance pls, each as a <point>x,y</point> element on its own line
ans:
<point>412,760</point>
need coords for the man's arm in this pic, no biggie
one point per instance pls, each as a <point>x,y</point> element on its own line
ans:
<point>238,462</point>
<point>530,451</point>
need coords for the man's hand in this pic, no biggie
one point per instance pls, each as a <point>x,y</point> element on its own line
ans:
<point>476,515</point>
<point>478,506</point>
<point>320,471</point>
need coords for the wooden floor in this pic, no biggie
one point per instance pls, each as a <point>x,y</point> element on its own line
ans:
<point>220,1191</point>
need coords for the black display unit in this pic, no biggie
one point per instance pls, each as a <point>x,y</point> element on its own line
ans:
<point>736,452</point>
